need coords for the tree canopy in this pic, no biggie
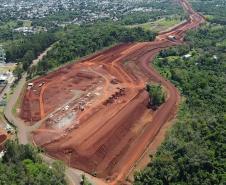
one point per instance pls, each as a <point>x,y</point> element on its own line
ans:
<point>78,41</point>
<point>156,94</point>
<point>21,165</point>
<point>194,151</point>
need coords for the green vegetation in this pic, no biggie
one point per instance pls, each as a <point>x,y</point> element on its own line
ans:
<point>156,94</point>
<point>126,12</point>
<point>79,41</point>
<point>194,151</point>
<point>6,32</point>
<point>24,51</point>
<point>74,42</point>
<point>160,24</point>
<point>22,165</point>
<point>161,9</point>
<point>215,10</point>
<point>27,23</point>
<point>22,47</point>
<point>4,69</point>
<point>85,181</point>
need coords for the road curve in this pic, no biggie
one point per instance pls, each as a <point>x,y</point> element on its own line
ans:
<point>161,116</point>
<point>168,110</point>
<point>23,131</point>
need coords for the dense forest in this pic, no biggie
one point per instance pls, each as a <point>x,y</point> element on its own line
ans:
<point>79,41</point>
<point>22,165</point>
<point>215,11</point>
<point>25,50</point>
<point>194,151</point>
<point>6,32</point>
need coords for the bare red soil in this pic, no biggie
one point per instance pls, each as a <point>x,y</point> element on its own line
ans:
<point>3,138</point>
<point>95,110</point>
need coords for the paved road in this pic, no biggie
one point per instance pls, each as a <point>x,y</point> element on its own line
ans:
<point>24,131</point>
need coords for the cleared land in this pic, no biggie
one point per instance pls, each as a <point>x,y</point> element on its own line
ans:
<point>7,67</point>
<point>3,137</point>
<point>159,25</point>
<point>94,113</point>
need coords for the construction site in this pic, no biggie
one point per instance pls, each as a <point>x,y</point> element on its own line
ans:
<point>3,138</point>
<point>94,114</point>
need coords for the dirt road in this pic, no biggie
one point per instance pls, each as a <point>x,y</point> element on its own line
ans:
<point>93,114</point>
<point>24,131</point>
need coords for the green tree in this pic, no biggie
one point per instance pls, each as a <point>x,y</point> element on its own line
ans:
<point>194,150</point>
<point>18,72</point>
<point>156,95</point>
<point>85,181</point>
<point>21,165</point>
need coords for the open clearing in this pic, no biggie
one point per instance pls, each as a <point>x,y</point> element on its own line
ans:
<point>94,113</point>
<point>158,25</point>
<point>7,67</point>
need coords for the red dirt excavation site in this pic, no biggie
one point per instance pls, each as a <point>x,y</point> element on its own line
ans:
<point>94,114</point>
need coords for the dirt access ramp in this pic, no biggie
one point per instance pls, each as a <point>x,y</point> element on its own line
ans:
<point>96,131</point>
<point>108,126</point>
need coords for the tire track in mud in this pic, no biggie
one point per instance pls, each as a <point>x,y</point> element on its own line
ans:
<point>122,157</point>
<point>168,110</point>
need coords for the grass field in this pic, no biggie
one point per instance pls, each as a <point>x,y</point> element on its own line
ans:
<point>159,25</point>
<point>6,68</point>
<point>27,23</point>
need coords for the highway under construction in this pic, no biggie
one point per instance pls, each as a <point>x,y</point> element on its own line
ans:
<point>94,113</point>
